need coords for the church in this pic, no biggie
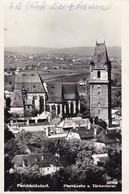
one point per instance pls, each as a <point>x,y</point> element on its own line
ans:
<point>31,95</point>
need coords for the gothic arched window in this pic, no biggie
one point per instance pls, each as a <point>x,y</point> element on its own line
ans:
<point>98,74</point>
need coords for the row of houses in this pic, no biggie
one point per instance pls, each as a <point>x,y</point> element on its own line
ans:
<point>75,128</point>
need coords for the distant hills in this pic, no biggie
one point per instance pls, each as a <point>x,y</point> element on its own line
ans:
<point>114,51</point>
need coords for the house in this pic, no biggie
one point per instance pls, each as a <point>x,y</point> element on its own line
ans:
<point>109,139</point>
<point>65,135</point>
<point>86,130</point>
<point>82,122</point>
<point>52,129</point>
<point>67,124</point>
<point>113,130</point>
<point>17,71</point>
<point>116,117</point>
<point>46,162</point>
<point>74,122</point>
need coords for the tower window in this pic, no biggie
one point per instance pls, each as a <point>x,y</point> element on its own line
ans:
<point>99,111</point>
<point>98,74</point>
<point>98,92</point>
<point>98,103</point>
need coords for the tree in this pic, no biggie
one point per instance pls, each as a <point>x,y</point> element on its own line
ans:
<point>36,141</point>
<point>84,106</point>
<point>113,166</point>
<point>86,172</point>
<point>7,115</point>
<point>7,134</point>
<point>63,176</point>
<point>116,99</point>
<point>12,148</point>
<point>30,113</point>
<point>100,122</point>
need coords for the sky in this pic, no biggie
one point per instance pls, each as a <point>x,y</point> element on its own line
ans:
<point>61,29</point>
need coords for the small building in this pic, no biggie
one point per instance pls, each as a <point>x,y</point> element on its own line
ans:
<point>30,57</point>
<point>17,71</point>
<point>66,135</point>
<point>68,124</point>
<point>82,122</point>
<point>109,139</point>
<point>116,117</point>
<point>46,162</point>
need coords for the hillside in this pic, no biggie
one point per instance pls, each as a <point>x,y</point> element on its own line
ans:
<point>82,51</point>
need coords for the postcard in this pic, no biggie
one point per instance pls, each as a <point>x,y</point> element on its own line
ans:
<point>64,117</point>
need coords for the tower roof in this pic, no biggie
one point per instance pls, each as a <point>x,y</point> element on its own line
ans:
<point>100,53</point>
<point>17,100</point>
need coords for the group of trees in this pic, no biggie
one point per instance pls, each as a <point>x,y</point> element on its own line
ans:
<point>75,157</point>
<point>98,121</point>
<point>116,82</point>
<point>116,99</point>
<point>84,106</point>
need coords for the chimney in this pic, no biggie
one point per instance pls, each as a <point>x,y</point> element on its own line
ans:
<point>47,131</point>
<point>49,118</point>
<point>89,125</point>
<point>95,131</point>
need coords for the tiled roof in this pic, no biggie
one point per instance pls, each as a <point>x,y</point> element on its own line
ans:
<point>67,123</point>
<point>70,91</point>
<point>30,81</point>
<point>54,92</point>
<point>84,132</point>
<point>55,121</point>
<point>41,160</point>
<point>59,92</point>
<point>81,122</point>
<point>109,138</point>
